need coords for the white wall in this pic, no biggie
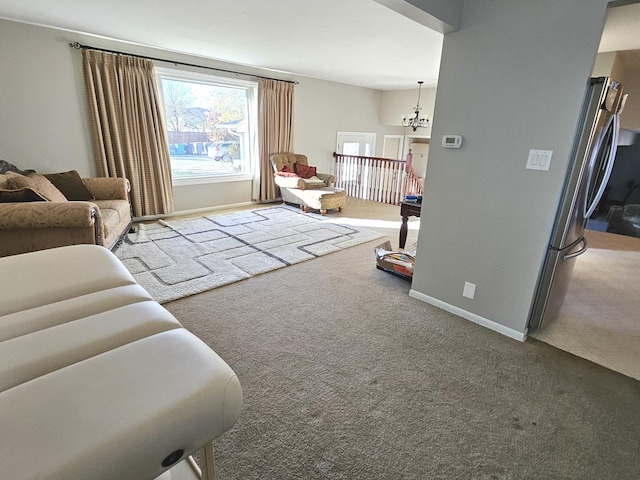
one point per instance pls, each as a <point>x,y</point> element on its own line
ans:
<point>322,108</point>
<point>43,114</point>
<point>512,78</point>
<point>604,64</point>
<point>395,103</point>
<point>626,70</point>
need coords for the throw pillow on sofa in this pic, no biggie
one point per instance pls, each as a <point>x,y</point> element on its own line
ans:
<point>38,183</point>
<point>20,195</point>
<point>71,185</point>
<point>4,179</point>
<point>304,171</point>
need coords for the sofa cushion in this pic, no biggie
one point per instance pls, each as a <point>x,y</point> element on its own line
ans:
<point>40,184</point>
<point>116,214</point>
<point>286,174</point>
<point>20,195</point>
<point>300,183</point>
<point>71,185</point>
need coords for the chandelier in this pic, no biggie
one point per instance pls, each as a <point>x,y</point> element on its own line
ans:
<point>416,120</point>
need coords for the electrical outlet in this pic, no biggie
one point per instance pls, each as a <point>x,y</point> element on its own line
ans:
<point>469,290</point>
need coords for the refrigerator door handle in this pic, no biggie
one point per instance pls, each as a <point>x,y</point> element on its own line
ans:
<point>610,160</point>
<point>585,247</point>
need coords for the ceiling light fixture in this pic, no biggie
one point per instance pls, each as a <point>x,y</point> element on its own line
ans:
<point>416,120</point>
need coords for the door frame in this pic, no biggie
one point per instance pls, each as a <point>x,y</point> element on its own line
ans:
<point>400,152</point>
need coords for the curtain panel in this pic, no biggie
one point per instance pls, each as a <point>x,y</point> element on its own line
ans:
<point>128,134</point>
<point>275,130</point>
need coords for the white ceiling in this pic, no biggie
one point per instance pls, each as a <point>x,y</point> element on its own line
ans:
<point>358,42</point>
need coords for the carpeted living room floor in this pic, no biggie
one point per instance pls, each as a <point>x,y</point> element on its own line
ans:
<point>347,377</point>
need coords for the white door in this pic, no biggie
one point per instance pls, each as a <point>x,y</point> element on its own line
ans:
<point>393,147</point>
<point>356,143</point>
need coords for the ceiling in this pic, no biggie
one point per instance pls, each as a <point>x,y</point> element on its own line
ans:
<point>358,42</point>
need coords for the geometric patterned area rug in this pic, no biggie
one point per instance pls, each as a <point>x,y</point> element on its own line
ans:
<point>172,259</point>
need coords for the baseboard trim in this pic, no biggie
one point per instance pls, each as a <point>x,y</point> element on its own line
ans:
<point>195,210</point>
<point>485,322</point>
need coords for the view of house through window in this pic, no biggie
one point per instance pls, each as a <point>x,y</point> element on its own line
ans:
<point>208,124</point>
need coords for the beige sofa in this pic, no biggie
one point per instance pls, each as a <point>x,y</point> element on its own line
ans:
<point>37,221</point>
<point>97,380</point>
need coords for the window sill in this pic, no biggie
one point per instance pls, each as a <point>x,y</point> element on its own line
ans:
<point>178,182</point>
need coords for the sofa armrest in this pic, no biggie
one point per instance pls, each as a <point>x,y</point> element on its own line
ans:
<point>18,216</point>
<point>327,178</point>
<point>107,188</point>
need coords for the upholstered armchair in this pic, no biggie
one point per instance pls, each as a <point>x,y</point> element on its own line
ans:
<point>300,184</point>
<point>286,162</point>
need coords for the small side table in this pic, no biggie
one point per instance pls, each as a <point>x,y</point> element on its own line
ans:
<point>407,209</point>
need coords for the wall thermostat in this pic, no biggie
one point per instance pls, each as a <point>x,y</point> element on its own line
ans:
<point>451,141</point>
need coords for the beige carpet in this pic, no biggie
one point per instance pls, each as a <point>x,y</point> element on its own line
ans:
<point>347,377</point>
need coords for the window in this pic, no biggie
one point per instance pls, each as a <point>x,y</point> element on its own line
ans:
<point>356,143</point>
<point>210,124</point>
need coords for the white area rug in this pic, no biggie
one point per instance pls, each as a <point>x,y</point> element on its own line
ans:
<point>176,258</point>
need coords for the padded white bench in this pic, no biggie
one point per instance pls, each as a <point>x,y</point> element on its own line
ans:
<point>97,380</point>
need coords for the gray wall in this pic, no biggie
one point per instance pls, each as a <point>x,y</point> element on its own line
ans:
<point>440,15</point>
<point>448,11</point>
<point>512,79</point>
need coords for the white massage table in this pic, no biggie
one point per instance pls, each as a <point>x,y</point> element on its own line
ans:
<point>97,380</point>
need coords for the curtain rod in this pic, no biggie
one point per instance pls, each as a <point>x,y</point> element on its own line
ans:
<point>79,46</point>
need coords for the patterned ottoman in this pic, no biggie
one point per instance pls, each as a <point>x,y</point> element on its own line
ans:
<point>322,199</point>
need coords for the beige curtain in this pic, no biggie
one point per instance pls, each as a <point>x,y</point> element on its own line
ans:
<point>129,138</point>
<point>275,129</point>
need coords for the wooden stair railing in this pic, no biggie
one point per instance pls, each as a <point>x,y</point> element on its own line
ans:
<point>374,178</point>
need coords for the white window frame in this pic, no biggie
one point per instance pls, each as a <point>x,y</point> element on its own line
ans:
<point>362,138</point>
<point>217,79</point>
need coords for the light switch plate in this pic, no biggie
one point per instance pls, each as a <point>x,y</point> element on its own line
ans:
<point>539,159</point>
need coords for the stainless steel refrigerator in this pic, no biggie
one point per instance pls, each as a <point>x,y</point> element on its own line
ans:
<point>592,160</point>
